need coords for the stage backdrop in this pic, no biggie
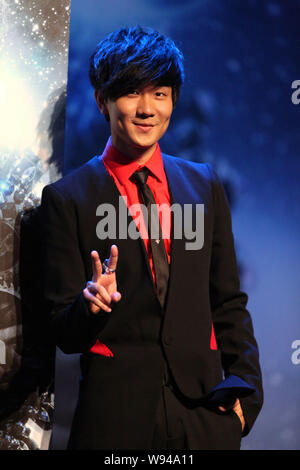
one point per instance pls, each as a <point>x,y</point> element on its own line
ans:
<point>33,73</point>
<point>239,110</point>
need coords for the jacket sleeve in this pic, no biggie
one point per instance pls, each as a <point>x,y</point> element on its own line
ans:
<point>72,326</point>
<point>231,319</point>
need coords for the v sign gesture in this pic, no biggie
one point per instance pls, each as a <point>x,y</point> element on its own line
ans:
<point>102,289</point>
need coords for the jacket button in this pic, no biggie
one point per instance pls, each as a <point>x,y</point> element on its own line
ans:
<point>168,340</point>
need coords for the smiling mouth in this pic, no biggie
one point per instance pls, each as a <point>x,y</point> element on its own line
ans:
<point>143,127</point>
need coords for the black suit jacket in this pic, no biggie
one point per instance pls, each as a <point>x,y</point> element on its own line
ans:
<point>121,392</point>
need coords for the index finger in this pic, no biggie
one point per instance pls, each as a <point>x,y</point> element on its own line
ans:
<point>96,265</point>
<point>113,258</point>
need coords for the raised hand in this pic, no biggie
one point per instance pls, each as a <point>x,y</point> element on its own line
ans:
<point>102,289</point>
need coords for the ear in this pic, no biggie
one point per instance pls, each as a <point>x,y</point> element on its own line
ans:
<point>101,103</point>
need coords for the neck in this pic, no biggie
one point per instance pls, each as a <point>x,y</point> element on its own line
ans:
<point>138,154</point>
<point>141,156</point>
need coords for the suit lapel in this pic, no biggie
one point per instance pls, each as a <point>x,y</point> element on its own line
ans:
<point>179,194</point>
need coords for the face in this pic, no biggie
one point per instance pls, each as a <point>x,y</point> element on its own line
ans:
<point>138,120</point>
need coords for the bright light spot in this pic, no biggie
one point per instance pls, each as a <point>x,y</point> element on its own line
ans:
<point>18,117</point>
<point>38,188</point>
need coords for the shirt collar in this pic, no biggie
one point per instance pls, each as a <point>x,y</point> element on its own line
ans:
<point>123,167</point>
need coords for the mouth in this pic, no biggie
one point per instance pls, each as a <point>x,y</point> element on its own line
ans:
<point>143,127</point>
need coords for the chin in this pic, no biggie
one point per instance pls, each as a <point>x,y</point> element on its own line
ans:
<point>144,148</point>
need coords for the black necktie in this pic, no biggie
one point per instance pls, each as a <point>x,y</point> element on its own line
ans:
<point>159,255</point>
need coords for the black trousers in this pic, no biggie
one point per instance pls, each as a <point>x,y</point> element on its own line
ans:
<point>169,429</point>
<point>183,424</point>
<point>180,423</point>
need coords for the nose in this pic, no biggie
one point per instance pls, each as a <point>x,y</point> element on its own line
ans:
<point>145,106</point>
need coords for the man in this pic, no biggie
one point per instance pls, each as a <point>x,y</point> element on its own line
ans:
<point>169,359</point>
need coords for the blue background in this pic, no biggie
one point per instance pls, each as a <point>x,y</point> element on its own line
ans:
<point>236,112</point>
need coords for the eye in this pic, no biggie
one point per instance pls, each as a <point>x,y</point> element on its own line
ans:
<point>161,93</point>
<point>133,92</point>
